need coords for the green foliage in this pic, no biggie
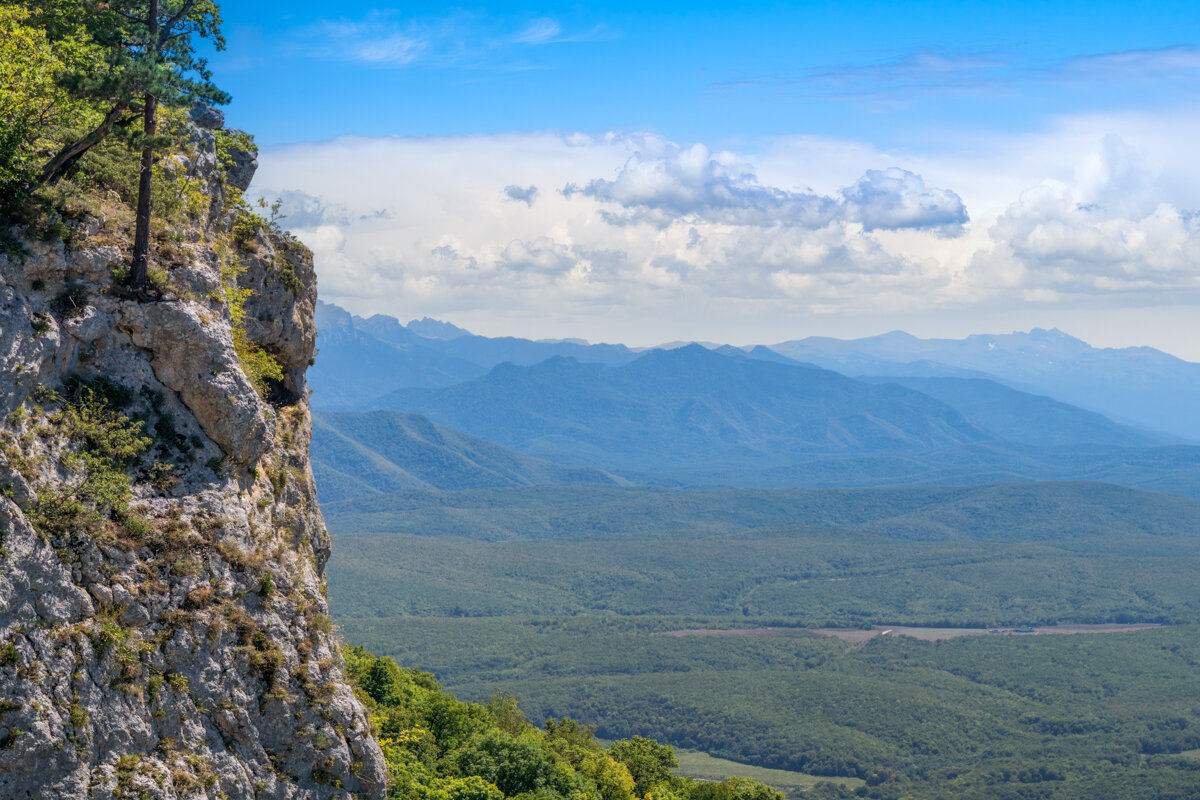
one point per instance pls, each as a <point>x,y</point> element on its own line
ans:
<point>509,717</point>
<point>78,715</point>
<point>104,444</point>
<point>35,106</point>
<point>565,593</point>
<point>648,761</point>
<point>946,719</point>
<point>439,748</point>
<point>983,556</point>
<point>261,368</point>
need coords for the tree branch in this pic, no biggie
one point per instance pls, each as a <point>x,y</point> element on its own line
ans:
<point>173,21</point>
<point>72,152</point>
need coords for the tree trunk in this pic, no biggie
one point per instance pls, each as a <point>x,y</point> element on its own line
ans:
<point>141,236</point>
<point>56,167</point>
<point>140,269</point>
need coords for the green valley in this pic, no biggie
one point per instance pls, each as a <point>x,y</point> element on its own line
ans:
<point>564,596</point>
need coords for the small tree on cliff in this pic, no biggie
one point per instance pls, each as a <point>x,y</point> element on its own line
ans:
<point>149,60</point>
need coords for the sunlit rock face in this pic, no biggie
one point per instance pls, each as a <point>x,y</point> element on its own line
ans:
<point>163,625</point>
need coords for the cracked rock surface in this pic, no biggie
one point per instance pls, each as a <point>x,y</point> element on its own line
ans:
<point>175,643</point>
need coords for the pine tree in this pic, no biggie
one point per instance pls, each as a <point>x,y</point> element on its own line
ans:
<point>149,61</point>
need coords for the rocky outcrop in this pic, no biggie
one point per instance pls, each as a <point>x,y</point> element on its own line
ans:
<point>163,625</point>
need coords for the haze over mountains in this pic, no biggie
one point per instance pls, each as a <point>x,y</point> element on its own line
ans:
<point>1140,385</point>
<point>513,411</point>
<point>674,408</point>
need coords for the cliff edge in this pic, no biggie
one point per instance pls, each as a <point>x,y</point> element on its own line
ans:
<point>163,624</point>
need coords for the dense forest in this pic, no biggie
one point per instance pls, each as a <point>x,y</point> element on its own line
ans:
<point>977,556</point>
<point>573,599</point>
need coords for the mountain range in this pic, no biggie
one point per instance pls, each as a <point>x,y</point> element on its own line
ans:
<point>363,359</point>
<point>1139,385</point>
<point>451,410</point>
<point>688,406</point>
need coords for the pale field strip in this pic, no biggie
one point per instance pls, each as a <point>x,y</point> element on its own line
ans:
<point>855,635</point>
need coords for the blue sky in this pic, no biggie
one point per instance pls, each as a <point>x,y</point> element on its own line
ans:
<point>893,73</point>
<point>651,171</point>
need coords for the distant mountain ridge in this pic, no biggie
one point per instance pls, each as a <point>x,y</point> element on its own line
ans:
<point>687,406</point>
<point>1138,385</point>
<point>728,416</point>
<point>361,359</point>
<point>352,366</point>
<point>1024,418</point>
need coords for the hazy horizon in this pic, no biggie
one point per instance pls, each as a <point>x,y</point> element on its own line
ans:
<point>709,341</point>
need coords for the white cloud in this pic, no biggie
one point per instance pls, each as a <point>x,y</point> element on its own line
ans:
<point>661,187</point>
<point>693,183</point>
<point>1128,66</point>
<point>896,198</point>
<point>461,39</point>
<point>539,31</point>
<point>899,80</point>
<point>687,241</point>
<point>378,39</point>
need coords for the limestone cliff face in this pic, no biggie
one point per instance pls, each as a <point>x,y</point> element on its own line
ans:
<point>165,635</point>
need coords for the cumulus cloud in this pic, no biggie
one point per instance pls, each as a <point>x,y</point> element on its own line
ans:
<point>659,234</point>
<point>695,182</point>
<point>299,209</point>
<point>543,254</point>
<point>303,210</point>
<point>1053,245</point>
<point>896,198</point>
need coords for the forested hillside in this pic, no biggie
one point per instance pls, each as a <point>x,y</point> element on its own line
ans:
<point>380,454</point>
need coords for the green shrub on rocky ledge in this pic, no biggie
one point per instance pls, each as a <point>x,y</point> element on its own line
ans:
<point>102,444</point>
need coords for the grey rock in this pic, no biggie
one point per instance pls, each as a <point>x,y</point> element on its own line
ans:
<point>152,643</point>
<point>193,354</point>
<point>207,117</point>
<point>243,164</point>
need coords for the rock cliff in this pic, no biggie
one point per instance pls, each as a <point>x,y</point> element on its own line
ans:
<point>163,623</point>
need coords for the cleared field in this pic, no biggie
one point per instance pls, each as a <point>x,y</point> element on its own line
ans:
<point>697,764</point>
<point>857,636</point>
